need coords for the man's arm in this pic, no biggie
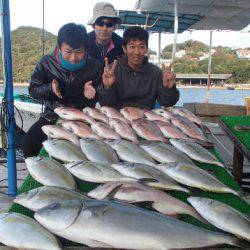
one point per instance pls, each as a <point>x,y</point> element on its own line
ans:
<point>40,85</point>
<point>166,96</point>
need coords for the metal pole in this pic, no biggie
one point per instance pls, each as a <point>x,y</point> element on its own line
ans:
<point>8,97</point>
<point>209,67</point>
<point>159,49</point>
<point>175,30</point>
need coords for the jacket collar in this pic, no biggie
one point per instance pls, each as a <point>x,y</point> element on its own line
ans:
<point>124,63</point>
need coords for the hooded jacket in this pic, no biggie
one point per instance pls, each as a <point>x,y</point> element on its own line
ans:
<point>113,54</point>
<point>71,84</point>
<point>139,88</point>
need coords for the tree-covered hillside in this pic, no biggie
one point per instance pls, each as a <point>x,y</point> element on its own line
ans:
<point>27,50</point>
<point>224,60</point>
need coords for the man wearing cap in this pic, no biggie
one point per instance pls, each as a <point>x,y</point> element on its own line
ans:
<point>103,42</point>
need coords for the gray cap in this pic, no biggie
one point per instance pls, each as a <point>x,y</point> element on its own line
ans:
<point>103,9</point>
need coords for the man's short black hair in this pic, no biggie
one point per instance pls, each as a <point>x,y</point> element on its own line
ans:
<point>135,33</point>
<point>74,35</point>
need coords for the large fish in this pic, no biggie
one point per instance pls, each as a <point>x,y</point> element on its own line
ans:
<point>95,172</point>
<point>196,151</point>
<point>95,114</point>
<point>22,232</point>
<point>73,114</point>
<point>164,153</point>
<point>40,197</point>
<point>123,129</point>
<point>49,172</point>
<point>115,225</point>
<point>153,177</point>
<point>132,113</point>
<point>147,130</point>
<point>134,192</point>
<point>80,129</point>
<point>56,132</point>
<point>104,130</point>
<point>193,176</point>
<point>222,216</point>
<point>112,113</point>
<point>63,150</point>
<point>130,152</point>
<point>98,151</point>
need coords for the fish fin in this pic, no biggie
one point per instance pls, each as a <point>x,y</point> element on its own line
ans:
<point>95,210</point>
<point>145,204</point>
<point>145,180</point>
<point>96,243</point>
<point>113,192</point>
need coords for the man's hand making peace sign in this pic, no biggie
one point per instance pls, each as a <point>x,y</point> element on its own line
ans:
<point>168,76</point>
<point>108,76</point>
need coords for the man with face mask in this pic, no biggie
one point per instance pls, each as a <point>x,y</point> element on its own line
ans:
<point>62,79</point>
<point>103,42</point>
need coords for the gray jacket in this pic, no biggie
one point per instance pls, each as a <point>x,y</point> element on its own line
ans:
<point>137,88</point>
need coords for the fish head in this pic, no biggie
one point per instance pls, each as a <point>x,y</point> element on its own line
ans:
<point>198,201</point>
<point>59,216</point>
<point>27,196</point>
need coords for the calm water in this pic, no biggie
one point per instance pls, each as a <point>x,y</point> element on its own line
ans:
<point>233,97</point>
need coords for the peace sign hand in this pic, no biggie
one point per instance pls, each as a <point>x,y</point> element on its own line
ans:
<point>108,76</point>
<point>168,76</point>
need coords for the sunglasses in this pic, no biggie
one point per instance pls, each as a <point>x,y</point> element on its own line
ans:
<point>101,23</point>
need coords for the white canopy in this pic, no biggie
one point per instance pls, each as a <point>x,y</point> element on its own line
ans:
<point>214,14</point>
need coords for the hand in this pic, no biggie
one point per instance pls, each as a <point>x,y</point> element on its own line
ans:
<point>108,76</point>
<point>168,76</point>
<point>55,88</point>
<point>89,90</point>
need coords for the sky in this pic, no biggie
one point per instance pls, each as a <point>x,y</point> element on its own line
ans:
<point>59,12</point>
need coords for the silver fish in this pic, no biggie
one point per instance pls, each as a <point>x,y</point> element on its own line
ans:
<point>63,150</point>
<point>195,151</point>
<point>143,171</point>
<point>40,197</point>
<point>98,151</point>
<point>94,172</point>
<point>22,232</point>
<point>193,176</point>
<point>49,172</point>
<point>115,225</point>
<point>164,153</point>
<point>222,216</point>
<point>127,151</point>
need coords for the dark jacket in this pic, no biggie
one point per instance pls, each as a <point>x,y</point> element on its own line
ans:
<point>71,83</point>
<point>137,88</point>
<point>113,54</point>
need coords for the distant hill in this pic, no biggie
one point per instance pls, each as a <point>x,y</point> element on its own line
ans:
<point>26,45</point>
<point>27,50</point>
<point>224,60</point>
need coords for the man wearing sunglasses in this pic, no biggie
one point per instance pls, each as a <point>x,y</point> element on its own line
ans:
<point>103,42</point>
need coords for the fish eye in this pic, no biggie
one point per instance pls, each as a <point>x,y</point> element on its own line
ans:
<point>54,206</point>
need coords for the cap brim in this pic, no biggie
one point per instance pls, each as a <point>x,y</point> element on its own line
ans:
<point>118,20</point>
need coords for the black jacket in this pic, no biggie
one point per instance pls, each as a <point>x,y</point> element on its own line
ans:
<point>94,51</point>
<point>71,83</point>
<point>137,88</point>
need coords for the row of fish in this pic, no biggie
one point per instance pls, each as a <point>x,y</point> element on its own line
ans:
<point>131,122</point>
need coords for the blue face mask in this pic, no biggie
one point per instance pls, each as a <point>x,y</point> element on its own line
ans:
<point>70,66</point>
